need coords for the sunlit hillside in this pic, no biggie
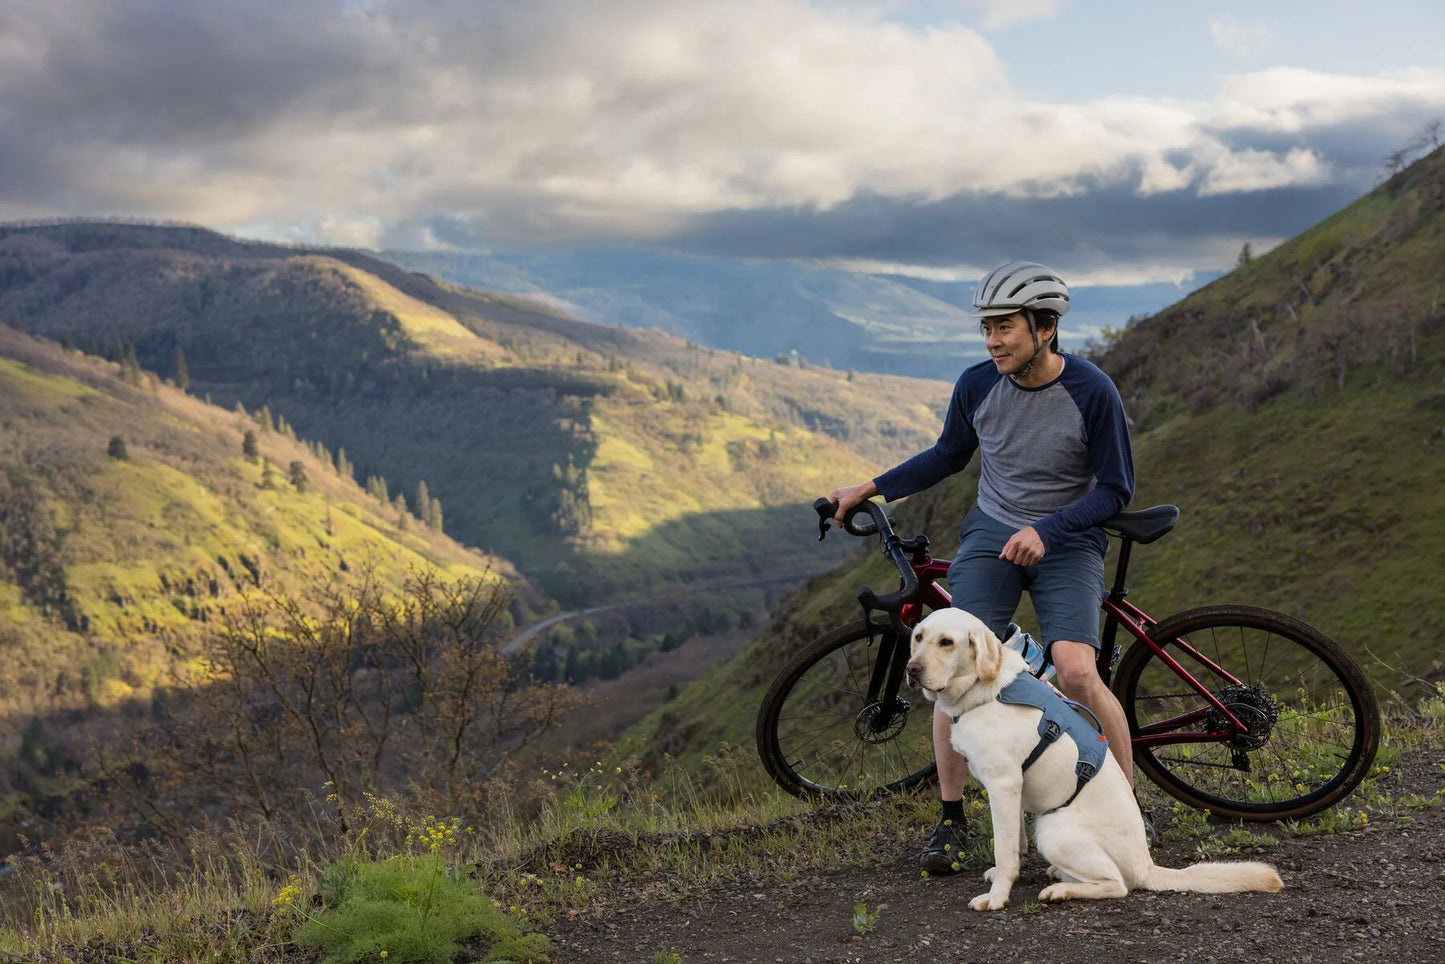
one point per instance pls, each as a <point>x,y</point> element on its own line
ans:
<point>600,460</point>
<point>131,515</point>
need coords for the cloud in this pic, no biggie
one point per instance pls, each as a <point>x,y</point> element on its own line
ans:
<point>998,14</point>
<point>1237,38</point>
<point>803,129</point>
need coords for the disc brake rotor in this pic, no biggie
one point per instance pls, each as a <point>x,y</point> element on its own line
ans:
<point>873,724</point>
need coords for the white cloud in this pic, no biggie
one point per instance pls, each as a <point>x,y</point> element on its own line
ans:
<point>997,14</point>
<point>1246,171</point>
<point>1290,100</point>
<point>1238,38</point>
<point>614,117</point>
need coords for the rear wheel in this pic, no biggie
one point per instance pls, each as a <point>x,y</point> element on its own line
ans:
<point>818,735</point>
<point>1310,722</point>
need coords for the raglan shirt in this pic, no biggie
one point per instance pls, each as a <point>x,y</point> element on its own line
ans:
<point>1056,457</point>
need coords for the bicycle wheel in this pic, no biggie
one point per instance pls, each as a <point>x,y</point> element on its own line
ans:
<point>818,735</point>
<point>1313,721</point>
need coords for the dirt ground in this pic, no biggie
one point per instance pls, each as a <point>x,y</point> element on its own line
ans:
<point>1376,891</point>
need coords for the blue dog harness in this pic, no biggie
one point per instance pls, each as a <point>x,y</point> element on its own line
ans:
<point>1061,716</point>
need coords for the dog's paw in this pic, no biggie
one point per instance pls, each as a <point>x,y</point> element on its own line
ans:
<point>988,874</point>
<point>1054,892</point>
<point>987,902</point>
<point>1054,873</point>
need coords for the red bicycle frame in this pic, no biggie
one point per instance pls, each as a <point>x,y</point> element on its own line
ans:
<point>1118,611</point>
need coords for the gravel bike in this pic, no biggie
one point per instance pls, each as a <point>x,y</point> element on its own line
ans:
<point>1243,712</point>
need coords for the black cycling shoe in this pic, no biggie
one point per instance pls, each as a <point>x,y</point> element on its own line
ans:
<point>943,851</point>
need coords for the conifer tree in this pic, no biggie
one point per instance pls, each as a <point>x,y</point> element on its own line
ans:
<point>296,472</point>
<point>116,449</point>
<point>180,373</point>
<point>423,502</point>
<point>434,515</point>
<point>249,447</point>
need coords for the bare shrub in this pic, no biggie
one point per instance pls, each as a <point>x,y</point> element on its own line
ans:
<point>347,693</point>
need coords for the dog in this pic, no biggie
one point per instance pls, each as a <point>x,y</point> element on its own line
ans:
<point>1092,833</point>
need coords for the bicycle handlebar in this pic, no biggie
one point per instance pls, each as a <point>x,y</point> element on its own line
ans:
<point>878,524</point>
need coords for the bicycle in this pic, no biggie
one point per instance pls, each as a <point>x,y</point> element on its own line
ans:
<point>1244,712</point>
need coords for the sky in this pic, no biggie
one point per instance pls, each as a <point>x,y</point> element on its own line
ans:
<point>1119,141</point>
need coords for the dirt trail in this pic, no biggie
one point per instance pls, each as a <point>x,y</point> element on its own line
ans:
<point>1371,893</point>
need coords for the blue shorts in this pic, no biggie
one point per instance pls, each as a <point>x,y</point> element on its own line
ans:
<point>1065,586</point>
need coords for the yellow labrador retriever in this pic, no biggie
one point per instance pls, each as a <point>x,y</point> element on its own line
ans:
<point>1088,828</point>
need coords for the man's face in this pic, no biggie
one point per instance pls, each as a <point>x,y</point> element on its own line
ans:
<point>1009,342</point>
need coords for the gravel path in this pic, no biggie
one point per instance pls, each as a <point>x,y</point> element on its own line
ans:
<point>1374,892</point>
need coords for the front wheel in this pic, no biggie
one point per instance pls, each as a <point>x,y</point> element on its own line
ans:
<point>818,733</point>
<point>1295,729</point>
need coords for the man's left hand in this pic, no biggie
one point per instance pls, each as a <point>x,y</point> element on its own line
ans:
<point>1024,548</point>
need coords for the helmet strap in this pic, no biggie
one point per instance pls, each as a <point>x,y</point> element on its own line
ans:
<point>1038,348</point>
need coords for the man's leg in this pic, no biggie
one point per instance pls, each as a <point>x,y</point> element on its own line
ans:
<point>989,588</point>
<point>1079,680</point>
<point>942,852</point>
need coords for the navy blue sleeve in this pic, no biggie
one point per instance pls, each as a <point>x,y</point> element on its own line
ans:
<point>1110,455</point>
<point>950,454</point>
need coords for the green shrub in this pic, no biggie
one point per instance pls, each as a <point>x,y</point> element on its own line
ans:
<point>411,909</point>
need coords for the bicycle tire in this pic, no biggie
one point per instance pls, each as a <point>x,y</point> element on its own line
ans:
<point>813,731</point>
<point>1314,720</point>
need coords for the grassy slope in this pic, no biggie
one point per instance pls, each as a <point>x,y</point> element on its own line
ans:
<point>155,544</point>
<point>487,399</point>
<point>1298,491</point>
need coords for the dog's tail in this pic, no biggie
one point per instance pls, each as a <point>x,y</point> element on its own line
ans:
<point>1215,878</point>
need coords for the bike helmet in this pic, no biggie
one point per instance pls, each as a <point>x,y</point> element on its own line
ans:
<point>1020,285</point>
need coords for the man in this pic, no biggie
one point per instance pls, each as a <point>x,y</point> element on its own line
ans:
<point>1051,435</point>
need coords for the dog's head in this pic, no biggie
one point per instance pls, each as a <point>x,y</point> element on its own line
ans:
<point>951,650</point>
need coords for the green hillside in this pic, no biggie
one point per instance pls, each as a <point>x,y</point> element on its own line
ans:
<point>130,516</point>
<point>1294,410</point>
<point>600,460</point>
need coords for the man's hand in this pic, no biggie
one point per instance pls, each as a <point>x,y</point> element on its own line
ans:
<point>1024,548</point>
<point>849,496</point>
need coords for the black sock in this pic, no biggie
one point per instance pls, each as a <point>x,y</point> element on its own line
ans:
<point>953,810</point>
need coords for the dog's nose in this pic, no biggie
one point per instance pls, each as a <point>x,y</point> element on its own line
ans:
<point>913,668</point>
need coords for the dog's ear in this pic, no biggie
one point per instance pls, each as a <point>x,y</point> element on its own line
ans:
<point>987,654</point>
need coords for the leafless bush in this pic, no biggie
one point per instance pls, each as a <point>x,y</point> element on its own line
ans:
<point>349,693</point>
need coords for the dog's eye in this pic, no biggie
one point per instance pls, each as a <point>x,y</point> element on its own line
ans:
<point>945,641</point>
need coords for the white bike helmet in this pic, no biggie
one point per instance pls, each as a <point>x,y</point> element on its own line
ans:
<point>1020,285</point>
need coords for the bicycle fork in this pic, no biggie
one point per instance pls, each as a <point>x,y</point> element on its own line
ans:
<point>883,709</point>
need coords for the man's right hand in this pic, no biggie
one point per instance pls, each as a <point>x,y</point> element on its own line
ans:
<point>849,496</point>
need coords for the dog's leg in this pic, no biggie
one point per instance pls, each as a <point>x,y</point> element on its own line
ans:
<point>1085,871</point>
<point>1084,890</point>
<point>1005,802</point>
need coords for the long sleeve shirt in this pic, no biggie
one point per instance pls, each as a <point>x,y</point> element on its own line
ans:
<point>1056,457</point>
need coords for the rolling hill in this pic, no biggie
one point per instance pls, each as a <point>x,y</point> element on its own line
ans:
<point>130,515</point>
<point>599,460</point>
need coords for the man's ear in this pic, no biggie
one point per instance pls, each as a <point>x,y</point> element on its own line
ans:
<point>987,655</point>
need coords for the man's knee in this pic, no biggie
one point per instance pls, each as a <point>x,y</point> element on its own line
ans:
<point>1076,666</point>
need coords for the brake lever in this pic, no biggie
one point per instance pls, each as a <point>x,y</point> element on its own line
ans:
<point>825,510</point>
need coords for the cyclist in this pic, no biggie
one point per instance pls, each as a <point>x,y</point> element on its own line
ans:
<point>1055,461</point>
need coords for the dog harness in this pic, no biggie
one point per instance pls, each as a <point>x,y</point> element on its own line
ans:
<point>1061,715</point>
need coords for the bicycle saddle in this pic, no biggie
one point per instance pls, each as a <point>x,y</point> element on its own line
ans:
<point>1145,525</point>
